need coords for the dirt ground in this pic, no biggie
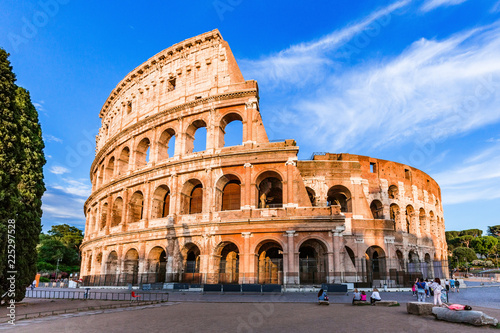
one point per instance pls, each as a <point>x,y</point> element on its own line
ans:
<point>247,317</point>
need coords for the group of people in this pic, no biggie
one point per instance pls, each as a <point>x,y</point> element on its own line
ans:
<point>361,296</point>
<point>423,289</point>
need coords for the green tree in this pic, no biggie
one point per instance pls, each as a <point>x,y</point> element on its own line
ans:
<point>465,240</point>
<point>21,178</point>
<point>494,230</point>
<point>484,244</point>
<point>70,236</point>
<point>472,232</point>
<point>464,253</point>
<point>451,235</point>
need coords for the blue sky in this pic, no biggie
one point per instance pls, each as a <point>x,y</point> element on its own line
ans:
<point>416,82</point>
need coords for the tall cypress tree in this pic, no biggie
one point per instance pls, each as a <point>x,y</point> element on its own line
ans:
<point>21,179</point>
<point>9,159</point>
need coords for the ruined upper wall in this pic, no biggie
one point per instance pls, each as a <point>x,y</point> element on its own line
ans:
<point>195,69</point>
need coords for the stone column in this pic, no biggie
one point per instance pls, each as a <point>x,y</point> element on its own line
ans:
<point>108,214</point>
<point>246,193</point>
<point>291,274</point>
<point>146,206</point>
<point>247,261</point>
<point>125,209</point>
<point>338,242</point>
<point>331,271</point>
<point>290,165</point>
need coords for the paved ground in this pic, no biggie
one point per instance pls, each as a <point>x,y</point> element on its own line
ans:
<point>293,312</point>
<point>245,317</point>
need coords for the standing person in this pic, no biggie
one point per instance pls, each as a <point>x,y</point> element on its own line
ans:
<point>437,287</point>
<point>427,288</point>
<point>414,288</point>
<point>457,285</point>
<point>452,284</point>
<point>375,296</point>
<point>421,290</point>
<point>447,285</point>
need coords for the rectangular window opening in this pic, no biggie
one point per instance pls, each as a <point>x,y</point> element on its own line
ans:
<point>373,167</point>
<point>171,84</point>
<point>407,174</point>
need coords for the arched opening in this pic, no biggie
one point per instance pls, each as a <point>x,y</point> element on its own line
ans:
<point>98,263</point>
<point>312,262</point>
<point>430,222</point>
<point>312,196</point>
<point>96,220</point>
<point>393,192</point>
<point>229,263</point>
<point>142,153</point>
<point>414,266</point>
<point>191,257</point>
<point>104,215</point>
<point>116,217</point>
<point>192,197</point>
<point>408,218</point>
<point>136,207</point>
<point>394,211</point>
<point>89,265</point>
<point>112,265</point>
<point>376,264</point>
<point>427,269</point>
<point>101,175</point>
<point>161,202</point>
<point>270,265</point>
<point>340,195</point>
<point>123,161</point>
<point>166,141</point>
<point>422,221</point>
<point>401,260</point>
<point>270,190</point>
<point>196,137</point>
<point>131,267</point>
<point>110,169</point>
<point>377,209</point>
<point>231,130</point>
<point>157,265</point>
<point>228,193</point>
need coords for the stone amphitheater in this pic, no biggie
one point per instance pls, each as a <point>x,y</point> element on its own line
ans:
<point>252,213</point>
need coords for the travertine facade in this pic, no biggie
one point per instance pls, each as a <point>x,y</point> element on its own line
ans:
<point>251,213</point>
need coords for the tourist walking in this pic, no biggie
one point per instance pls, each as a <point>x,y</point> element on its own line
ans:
<point>452,284</point>
<point>447,285</point>
<point>421,290</point>
<point>437,287</point>
<point>457,285</point>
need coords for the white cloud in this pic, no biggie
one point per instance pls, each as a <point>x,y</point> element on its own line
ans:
<point>495,8</point>
<point>304,62</point>
<point>433,4</point>
<point>58,170</point>
<point>78,188</point>
<point>433,90</point>
<point>478,178</point>
<point>51,138</point>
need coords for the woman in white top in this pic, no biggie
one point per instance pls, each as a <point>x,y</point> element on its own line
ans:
<point>436,287</point>
<point>375,297</point>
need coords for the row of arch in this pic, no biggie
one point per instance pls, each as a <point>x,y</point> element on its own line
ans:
<point>147,150</point>
<point>313,266</point>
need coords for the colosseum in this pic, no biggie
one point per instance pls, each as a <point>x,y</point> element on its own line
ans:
<point>162,211</point>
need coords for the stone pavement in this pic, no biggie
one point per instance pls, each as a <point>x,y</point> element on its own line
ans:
<point>245,317</point>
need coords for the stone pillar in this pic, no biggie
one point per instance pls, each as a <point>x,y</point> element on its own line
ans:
<point>175,191</point>
<point>338,242</point>
<point>108,214</point>
<point>331,269</point>
<point>142,260</point>
<point>290,166</point>
<point>247,261</point>
<point>246,193</point>
<point>391,252</point>
<point>125,209</point>
<point>208,198</point>
<point>291,274</point>
<point>146,206</point>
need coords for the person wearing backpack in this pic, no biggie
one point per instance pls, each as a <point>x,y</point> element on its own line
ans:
<point>420,290</point>
<point>437,287</point>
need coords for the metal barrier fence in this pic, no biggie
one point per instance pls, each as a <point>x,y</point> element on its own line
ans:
<point>361,272</point>
<point>98,295</point>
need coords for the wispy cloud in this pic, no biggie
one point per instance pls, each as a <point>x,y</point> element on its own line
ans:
<point>304,62</point>
<point>63,202</point>
<point>51,138</point>
<point>478,178</point>
<point>78,188</point>
<point>495,8</point>
<point>433,4</point>
<point>58,170</point>
<point>434,89</point>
